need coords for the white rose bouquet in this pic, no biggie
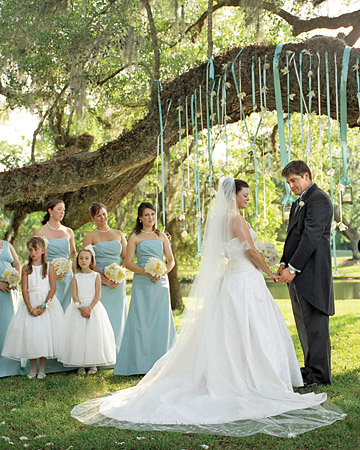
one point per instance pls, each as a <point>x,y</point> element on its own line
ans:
<point>61,266</point>
<point>115,273</point>
<point>155,267</point>
<point>268,252</point>
<point>10,276</point>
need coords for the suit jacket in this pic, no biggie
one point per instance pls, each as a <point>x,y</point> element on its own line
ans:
<point>307,248</point>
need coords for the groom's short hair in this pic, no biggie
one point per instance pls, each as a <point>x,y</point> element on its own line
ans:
<point>297,167</point>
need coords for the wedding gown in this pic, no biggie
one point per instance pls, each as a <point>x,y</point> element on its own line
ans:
<point>232,375</point>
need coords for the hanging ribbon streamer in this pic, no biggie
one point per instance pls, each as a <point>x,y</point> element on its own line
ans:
<point>162,154</point>
<point>319,115</point>
<point>343,112</point>
<point>288,105</point>
<point>311,93</point>
<point>301,105</point>
<point>210,84</point>
<point>196,170</point>
<point>224,118</point>
<point>242,112</point>
<point>182,217</point>
<point>281,129</point>
<point>337,97</point>
<point>331,171</point>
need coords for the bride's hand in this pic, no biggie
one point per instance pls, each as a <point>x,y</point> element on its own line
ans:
<point>274,276</point>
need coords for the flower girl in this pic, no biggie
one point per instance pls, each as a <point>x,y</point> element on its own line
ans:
<point>88,339</point>
<point>34,331</point>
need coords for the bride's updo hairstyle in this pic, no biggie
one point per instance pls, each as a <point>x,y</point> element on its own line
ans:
<point>139,225</point>
<point>51,205</point>
<point>239,185</point>
<point>95,208</point>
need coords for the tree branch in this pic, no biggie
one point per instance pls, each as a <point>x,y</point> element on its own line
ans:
<point>298,25</point>
<point>42,120</point>
<point>154,39</point>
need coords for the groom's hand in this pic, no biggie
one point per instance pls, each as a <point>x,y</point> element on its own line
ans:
<point>286,276</point>
<point>280,269</point>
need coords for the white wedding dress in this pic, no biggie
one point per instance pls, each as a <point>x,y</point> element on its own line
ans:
<point>231,371</point>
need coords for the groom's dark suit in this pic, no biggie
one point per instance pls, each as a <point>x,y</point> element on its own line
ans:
<point>307,248</point>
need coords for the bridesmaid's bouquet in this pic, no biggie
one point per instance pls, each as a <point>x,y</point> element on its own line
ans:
<point>155,267</point>
<point>115,273</point>
<point>61,266</point>
<point>268,252</point>
<point>10,276</point>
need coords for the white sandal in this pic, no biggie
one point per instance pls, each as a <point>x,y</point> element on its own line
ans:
<point>32,375</point>
<point>81,371</point>
<point>92,370</point>
<point>41,375</point>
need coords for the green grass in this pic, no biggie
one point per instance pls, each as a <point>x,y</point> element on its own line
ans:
<point>40,410</point>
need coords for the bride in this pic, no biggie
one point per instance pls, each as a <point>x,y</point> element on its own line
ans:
<point>233,367</point>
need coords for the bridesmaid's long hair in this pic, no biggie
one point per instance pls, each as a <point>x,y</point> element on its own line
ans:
<point>51,205</point>
<point>139,225</point>
<point>95,208</point>
<point>36,242</point>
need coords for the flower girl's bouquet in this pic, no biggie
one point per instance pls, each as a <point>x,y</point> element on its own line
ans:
<point>10,276</point>
<point>115,273</point>
<point>268,252</point>
<point>155,267</point>
<point>61,266</point>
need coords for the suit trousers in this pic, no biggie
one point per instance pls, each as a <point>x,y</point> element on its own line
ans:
<point>313,329</point>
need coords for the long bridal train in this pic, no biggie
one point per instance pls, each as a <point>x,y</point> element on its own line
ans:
<point>233,367</point>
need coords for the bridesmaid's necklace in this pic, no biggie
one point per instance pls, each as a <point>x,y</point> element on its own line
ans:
<point>51,228</point>
<point>147,232</point>
<point>103,231</point>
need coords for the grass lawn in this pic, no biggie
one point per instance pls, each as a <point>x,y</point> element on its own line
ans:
<point>35,414</point>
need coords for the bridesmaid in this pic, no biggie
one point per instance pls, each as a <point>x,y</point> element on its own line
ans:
<point>150,330</point>
<point>8,305</point>
<point>110,247</point>
<point>61,244</point>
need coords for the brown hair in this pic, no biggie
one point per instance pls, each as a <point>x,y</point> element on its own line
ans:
<point>240,184</point>
<point>296,167</point>
<point>51,205</point>
<point>95,208</point>
<point>37,242</point>
<point>139,225</point>
<point>93,262</point>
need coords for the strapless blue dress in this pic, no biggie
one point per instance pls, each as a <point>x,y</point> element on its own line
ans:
<point>8,306</point>
<point>114,300</point>
<point>149,331</point>
<point>60,248</point>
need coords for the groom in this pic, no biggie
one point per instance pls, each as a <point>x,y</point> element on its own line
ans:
<point>306,267</point>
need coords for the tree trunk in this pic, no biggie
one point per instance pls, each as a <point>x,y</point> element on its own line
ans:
<point>175,291</point>
<point>109,173</point>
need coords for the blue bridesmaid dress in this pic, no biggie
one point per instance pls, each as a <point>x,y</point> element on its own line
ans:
<point>150,330</point>
<point>114,300</point>
<point>60,248</point>
<point>8,306</point>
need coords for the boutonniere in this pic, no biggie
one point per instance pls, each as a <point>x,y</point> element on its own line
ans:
<point>301,204</point>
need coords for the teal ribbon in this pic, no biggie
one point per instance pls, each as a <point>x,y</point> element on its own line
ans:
<point>252,141</point>
<point>288,107</point>
<point>162,152</point>
<point>279,111</point>
<point>330,155</point>
<point>210,83</point>
<point>196,170</point>
<point>343,112</point>
<point>181,162</point>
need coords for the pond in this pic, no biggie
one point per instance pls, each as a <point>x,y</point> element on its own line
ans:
<point>344,289</point>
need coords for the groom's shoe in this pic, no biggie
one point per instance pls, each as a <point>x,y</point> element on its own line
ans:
<point>309,384</point>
